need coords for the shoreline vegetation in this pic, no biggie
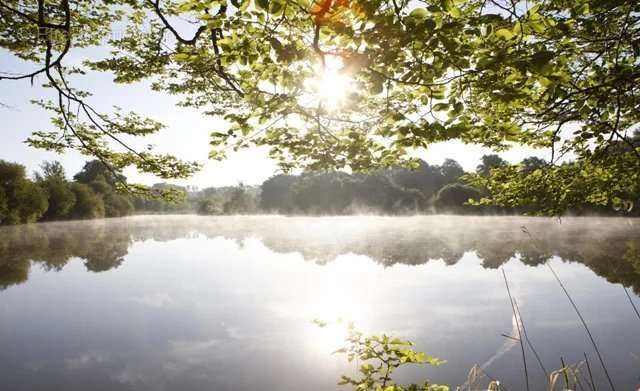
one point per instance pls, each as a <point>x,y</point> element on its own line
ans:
<point>377,357</point>
<point>95,192</point>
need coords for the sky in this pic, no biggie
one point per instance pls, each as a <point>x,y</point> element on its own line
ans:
<point>186,134</point>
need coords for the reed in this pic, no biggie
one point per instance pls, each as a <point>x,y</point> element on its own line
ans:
<point>475,379</point>
<point>584,323</point>
<point>515,315</point>
<point>631,301</point>
<point>591,382</point>
<point>526,337</point>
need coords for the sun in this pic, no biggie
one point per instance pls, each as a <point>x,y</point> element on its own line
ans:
<point>332,85</point>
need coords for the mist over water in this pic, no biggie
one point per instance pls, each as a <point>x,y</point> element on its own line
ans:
<point>226,303</point>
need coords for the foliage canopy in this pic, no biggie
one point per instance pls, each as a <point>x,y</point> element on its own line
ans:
<point>559,74</point>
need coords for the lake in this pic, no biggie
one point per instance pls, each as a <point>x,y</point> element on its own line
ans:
<point>227,303</point>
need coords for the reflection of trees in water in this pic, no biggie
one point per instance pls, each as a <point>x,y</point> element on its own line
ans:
<point>609,247</point>
<point>51,246</point>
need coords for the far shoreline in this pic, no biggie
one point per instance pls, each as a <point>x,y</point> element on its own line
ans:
<point>196,216</point>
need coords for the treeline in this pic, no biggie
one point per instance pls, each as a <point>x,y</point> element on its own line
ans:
<point>50,196</point>
<point>92,193</point>
<point>425,189</point>
<point>226,200</point>
<point>393,191</point>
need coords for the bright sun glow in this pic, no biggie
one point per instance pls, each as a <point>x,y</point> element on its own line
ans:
<point>343,299</point>
<point>332,85</point>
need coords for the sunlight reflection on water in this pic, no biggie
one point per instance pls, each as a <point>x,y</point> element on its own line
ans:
<point>188,303</point>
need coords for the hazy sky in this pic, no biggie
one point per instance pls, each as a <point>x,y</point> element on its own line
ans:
<point>186,135</point>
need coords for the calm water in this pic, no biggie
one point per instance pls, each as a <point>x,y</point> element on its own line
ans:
<point>209,303</point>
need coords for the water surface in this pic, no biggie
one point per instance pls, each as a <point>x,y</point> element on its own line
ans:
<point>226,303</point>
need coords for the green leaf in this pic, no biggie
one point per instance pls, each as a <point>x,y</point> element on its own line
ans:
<point>262,4</point>
<point>419,13</point>
<point>181,56</point>
<point>455,12</point>
<point>441,107</point>
<point>505,34</point>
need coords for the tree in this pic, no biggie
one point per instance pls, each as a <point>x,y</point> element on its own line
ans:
<point>95,170</point>
<point>89,205</point>
<point>210,206</point>
<point>577,187</point>
<point>425,178</point>
<point>31,202</point>
<point>531,164</point>
<point>104,182</point>
<point>59,194</point>
<point>21,201</point>
<point>179,203</point>
<point>4,205</point>
<point>240,202</point>
<point>276,194</point>
<point>490,72</point>
<point>323,193</point>
<point>451,171</point>
<point>377,192</point>
<point>60,197</point>
<point>490,162</point>
<point>50,170</point>
<point>455,197</point>
<point>117,205</point>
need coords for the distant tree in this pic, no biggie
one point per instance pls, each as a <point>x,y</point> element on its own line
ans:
<point>32,202</point>
<point>12,177</point>
<point>89,204</point>
<point>378,192</point>
<point>210,206</point>
<point>117,205</point>
<point>329,193</point>
<point>451,171</point>
<point>103,181</point>
<point>531,164</point>
<point>453,197</point>
<point>276,194</point>
<point>489,162</point>
<point>179,205</point>
<point>95,170</point>
<point>241,202</point>
<point>59,194</point>
<point>52,169</point>
<point>22,201</point>
<point>428,179</point>
<point>100,185</point>
<point>4,205</point>
<point>389,191</point>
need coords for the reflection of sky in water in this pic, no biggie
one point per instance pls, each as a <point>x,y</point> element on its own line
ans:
<point>212,313</point>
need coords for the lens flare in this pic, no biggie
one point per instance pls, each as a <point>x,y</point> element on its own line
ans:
<point>332,85</point>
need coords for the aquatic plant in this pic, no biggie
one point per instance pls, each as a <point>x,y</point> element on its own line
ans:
<point>378,357</point>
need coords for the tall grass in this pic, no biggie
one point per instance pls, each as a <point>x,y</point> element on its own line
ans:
<point>631,301</point>
<point>584,323</point>
<point>515,315</point>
